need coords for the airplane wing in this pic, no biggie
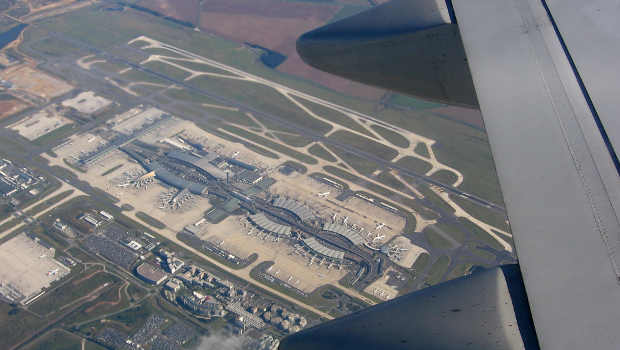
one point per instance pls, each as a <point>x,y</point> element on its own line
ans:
<point>544,74</point>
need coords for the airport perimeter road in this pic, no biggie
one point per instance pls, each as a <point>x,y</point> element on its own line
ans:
<point>243,274</point>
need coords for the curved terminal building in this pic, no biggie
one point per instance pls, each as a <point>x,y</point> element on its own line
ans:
<point>300,210</point>
<point>332,254</point>
<point>262,221</point>
<point>343,231</point>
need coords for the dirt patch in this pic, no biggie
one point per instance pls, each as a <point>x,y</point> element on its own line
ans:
<point>111,303</point>
<point>274,24</point>
<point>76,282</point>
<point>35,82</point>
<point>11,106</point>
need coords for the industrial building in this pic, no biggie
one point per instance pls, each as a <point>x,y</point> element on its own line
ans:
<point>343,231</point>
<point>300,210</point>
<point>314,245</point>
<point>151,273</point>
<point>266,224</point>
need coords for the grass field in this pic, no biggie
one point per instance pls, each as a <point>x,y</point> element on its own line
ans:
<point>53,47</point>
<point>389,180</point>
<point>415,165</point>
<point>134,317</point>
<point>364,144</point>
<point>251,147</point>
<point>107,303</point>
<point>57,340</point>
<point>459,271</point>
<point>438,270</point>
<point>459,146</point>
<point>81,255</point>
<point>71,291</point>
<point>435,240</point>
<point>134,75</point>
<point>487,215</point>
<point>293,140</point>
<point>302,157</point>
<point>445,177</point>
<point>264,99</point>
<point>360,164</point>
<point>48,203</point>
<point>421,149</point>
<point>481,236</point>
<point>320,152</point>
<point>230,116</point>
<point>334,116</point>
<point>150,220</point>
<point>55,135</point>
<point>421,262</point>
<point>16,324</point>
<point>393,137</point>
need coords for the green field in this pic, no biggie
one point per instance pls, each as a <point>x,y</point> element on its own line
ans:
<point>293,140</point>
<point>414,165</point>
<point>438,270</point>
<point>459,271</point>
<point>260,150</point>
<point>393,137</point>
<point>445,177</point>
<point>146,218</point>
<point>435,240</point>
<point>364,144</point>
<point>52,47</point>
<point>421,262</point>
<point>134,75</point>
<point>389,180</point>
<point>57,340</point>
<point>17,324</point>
<point>489,216</point>
<point>71,291</point>
<point>482,236</point>
<point>361,164</point>
<point>459,146</point>
<point>422,149</point>
<point>55,135</point>
<point>320,152</point>
<point>264,99</point>
<point>234,117</point>
<point>107,303</point>
<point>48,203</point>
<point>302,157</point>
<point>334,116</point>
